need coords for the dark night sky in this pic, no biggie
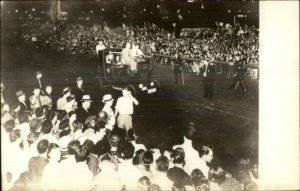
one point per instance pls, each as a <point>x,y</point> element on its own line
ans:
<point>201,13</point>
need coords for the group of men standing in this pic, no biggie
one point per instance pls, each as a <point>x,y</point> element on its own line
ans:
<point>78,100</point>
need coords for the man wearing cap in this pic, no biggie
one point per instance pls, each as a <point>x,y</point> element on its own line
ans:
<point>108,102</point>
<point>22,101</point>
<point>83,111</point>
<point>124,110</point>
<point>61,102</point>
<point>35,99</point>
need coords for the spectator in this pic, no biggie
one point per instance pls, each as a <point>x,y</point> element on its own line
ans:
<point>206,156</point>
<point>75,163</point>
<point>143,184</point>
<point>35,99</point>
<point>217,175</point>
<point>22,100</point>
<point>99,47</point>
<point>83,112</point>
<point>108,102</point>
<point>108,179</point>
<point>37,164</point>
<point>47,98</point>
<point>61,102</point>
<point>160,177</point>
<point>51,178</point>
<point>79,91</point>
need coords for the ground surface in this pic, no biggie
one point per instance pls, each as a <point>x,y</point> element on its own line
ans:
<point>229,122</point>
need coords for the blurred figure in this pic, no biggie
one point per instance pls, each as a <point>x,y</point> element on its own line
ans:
<point>61,102</point>
<point>100,46</point>
<point>108,102</point>
<point>51,178</point>
<point>218,175</point>
<point>79,90</point>
<point>108,178</point>
<point>47,97</point>
<point>127,58</point>
<point>37,164</point>
<point>22,101</point>
<point>35,99</point>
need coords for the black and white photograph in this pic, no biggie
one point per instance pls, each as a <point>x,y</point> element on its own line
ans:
<point>131,95</point>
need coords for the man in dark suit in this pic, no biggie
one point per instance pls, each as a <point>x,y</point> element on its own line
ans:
<point>209,79</point>
<point>83,111</point>
<point>79,91</point>
<point>177,69</point>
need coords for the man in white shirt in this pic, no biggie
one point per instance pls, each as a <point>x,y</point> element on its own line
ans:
<point>108,102</point>
<point>99,47</point>
<point>124,108</point>
<point>206,156</point>
<point>191,154</point>
<point>108,178</point>
<point>61,102</point>
<point>160,176</point>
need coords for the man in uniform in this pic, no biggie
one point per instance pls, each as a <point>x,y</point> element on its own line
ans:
<point>209,79</point>
<point>177,69</point>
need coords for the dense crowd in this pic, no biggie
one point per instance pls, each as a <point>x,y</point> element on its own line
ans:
<point>223,43</point>
<point>61,144</point>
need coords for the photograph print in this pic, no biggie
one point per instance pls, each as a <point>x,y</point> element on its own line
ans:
<point>130,95</point>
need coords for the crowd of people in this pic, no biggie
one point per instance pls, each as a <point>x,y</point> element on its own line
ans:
<point>223,43</point>
<point>60,144</point>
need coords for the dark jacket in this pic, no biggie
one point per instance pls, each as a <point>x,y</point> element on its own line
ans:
<point>82,114</point>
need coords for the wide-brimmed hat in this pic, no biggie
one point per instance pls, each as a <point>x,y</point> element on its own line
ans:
<point>35,124</point>
<point>70,98</point>
<point>64,124</point>
<point>63,142</point>
<point>62,115</point>
<point>86,98</point>
<point>106,98</point>
<point>89,119</point>
<point>66,90</point>
<point>20,93</point>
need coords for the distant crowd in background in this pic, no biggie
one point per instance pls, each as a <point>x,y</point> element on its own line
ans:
<point>222,43</point>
